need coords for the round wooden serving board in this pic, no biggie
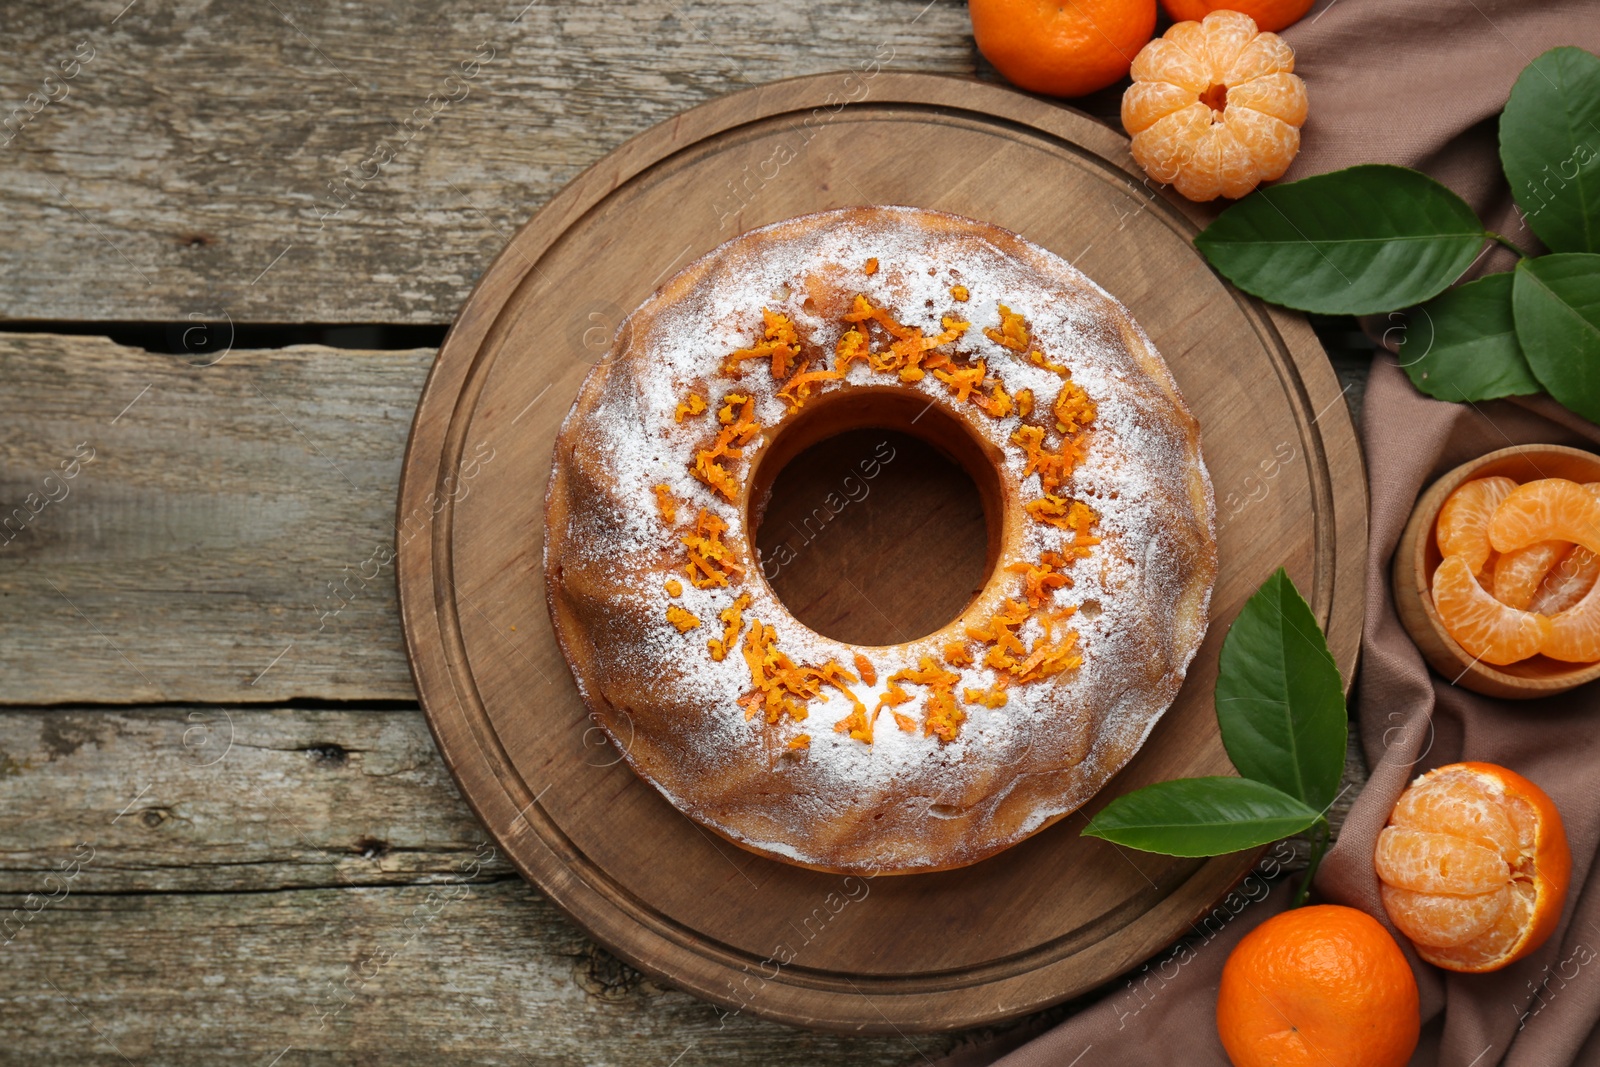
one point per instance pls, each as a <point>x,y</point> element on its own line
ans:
<point>1052,917</point>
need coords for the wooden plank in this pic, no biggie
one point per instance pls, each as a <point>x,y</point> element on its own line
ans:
<point>228,799</point>
<point>460,973</point>
<point>215,799</point>
<point>307,162</point>
<point>172,532</point>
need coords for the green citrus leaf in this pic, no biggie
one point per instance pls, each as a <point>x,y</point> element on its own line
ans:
<point>1462,344</point>
<point>1358,241</point>
<point>1201,817</point>
<point>1550,148</point>
<point>1279,699</point>
<point>1556,300</point>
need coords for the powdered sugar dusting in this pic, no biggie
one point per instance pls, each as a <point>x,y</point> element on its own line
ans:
<point>1136,474</point>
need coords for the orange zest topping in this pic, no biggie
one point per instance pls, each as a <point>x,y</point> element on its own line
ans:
<point>665,504</point>
<point>1024,402</point>
<point>1013,331</point>
<point>997,404</point>
<point>908,345</point>
<point>799,741</point>
<point>963,381</point>
<point>894,696</point>
<point>1036,357</point>
<point>865,670</point>
<point>1041,579</point>
<point>994,697</point>
<point>776,679</point>
<point>1054,468</point>
<point>739,428</point>
<point>957,654</point>
<point>694,405</point>
<point>733,621</point>
<point>871,267</point>
<point>1075,516</point>
<point>797,389</point>
<point>852,345</point>
<point>710,561</point>
<point>674,587</point>
<point>681,619</point>
<point>942,717</point>
<point>1072,408</point>
<point>959,292</point>
<point>779,343</point>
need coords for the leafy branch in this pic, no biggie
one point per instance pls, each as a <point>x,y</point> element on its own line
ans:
<point>1376,238</point>
<point>1281,708</point>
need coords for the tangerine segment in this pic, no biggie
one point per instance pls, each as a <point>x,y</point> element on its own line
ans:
<point>1463,524</point>
<point>1215,108</point>
<point>1443,919</point>
<point>1487,629</point>
<point>1570,579</point>
<point>1519,573</point>
<point>1449,830</point>
<point>1315,986</point>
<point>1567,582</point>
<point>1427,862</point>
<point>1575,633</point>
<point>1471,808</point>
<point>1550,508</point>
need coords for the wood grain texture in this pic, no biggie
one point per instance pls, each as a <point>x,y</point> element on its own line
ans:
<point>232,800</point>
<point>312,163</point>
<point>279,869</point>
<point>487,973</point>
<point>231,514</point>
<point>646,881</point>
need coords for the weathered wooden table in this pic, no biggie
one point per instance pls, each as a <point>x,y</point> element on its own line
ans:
<point>225,832</point>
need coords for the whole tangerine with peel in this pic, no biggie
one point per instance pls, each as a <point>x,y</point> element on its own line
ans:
<point>1062,47</point>
<point>1215,107</point>
<point>1474,866</point>
<point>1271,15</point>
<point>1318,985</point>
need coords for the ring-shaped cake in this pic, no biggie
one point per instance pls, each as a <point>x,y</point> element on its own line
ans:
<point>940,751</point>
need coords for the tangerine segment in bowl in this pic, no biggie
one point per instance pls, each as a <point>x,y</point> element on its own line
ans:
<point>1567,583</point>
<point>1215,107</point>
<point>1487,629</point>
<point>1549,508</point>
<point>1518,574</point>
<point>1319,985</point>
<point>1474,866</point>
<point>1462,528</point>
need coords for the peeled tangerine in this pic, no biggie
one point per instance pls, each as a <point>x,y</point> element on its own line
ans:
<point>1474,866</point>
<point>1520,567</point>
<point>1214,107</point>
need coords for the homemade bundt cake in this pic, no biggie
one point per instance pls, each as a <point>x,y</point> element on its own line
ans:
<point>899,758</point>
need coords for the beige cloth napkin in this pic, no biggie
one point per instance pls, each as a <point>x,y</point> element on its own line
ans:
<point>1419,83</point>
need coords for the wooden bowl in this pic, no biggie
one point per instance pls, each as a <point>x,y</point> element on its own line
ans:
<point>1418,556</point>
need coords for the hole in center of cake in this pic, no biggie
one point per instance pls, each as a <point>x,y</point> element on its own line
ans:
<point>876,534</point>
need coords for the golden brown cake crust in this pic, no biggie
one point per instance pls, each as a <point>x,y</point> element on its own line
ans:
<point>783,767</point>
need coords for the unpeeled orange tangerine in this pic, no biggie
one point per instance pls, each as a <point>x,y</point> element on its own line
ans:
<point>1473,866</point>
<point>1062,47</point>
<point>1215,107</point>
<point>1319,985</point>
<point>1271,15</point>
